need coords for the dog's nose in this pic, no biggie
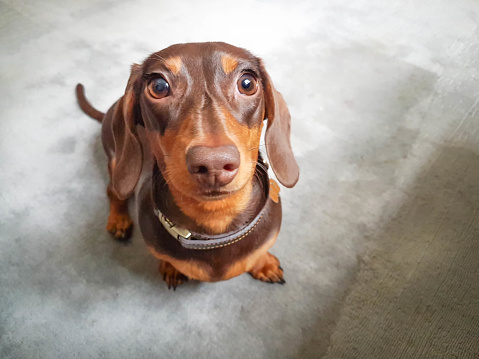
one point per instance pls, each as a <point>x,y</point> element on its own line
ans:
<point>213,166</point>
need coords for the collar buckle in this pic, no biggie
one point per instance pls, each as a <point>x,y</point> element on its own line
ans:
<point>174,230</point>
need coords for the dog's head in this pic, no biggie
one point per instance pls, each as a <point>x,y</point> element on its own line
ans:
<point>203,107</point>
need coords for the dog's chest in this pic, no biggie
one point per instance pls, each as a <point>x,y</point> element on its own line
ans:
<point>211,264</point>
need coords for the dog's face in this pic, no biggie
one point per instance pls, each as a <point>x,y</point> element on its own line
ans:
<point>203,106</point>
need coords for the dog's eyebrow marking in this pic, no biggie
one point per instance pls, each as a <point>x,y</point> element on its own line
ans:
<point>174,64</point>
<point>229,63</point>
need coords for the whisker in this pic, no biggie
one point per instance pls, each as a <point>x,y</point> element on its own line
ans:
<point>260,165</point>
<point>158,57</point>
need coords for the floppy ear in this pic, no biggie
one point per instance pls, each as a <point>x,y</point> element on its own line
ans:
<point>127,163</point>
<point>277,137</point>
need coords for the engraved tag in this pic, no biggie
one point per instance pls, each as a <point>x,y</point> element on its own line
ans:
<point>274,190</point>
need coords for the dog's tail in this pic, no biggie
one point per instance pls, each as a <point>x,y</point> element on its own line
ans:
<point>85,105</point>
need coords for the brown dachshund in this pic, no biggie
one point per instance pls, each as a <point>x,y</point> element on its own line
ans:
<point>184,138</point>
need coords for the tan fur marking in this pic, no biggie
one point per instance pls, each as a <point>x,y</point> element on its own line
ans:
<point>174,64</point>
<point>217,215</point>
<point>229,63</point>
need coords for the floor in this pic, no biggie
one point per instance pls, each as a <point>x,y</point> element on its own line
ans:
<point>380,237</point>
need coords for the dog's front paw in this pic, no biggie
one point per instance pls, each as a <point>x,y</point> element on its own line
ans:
<point>267,269</point>
<point>171,275</point>
<point>119,225</point>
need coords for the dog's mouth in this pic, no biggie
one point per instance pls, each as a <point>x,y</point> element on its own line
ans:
<point>214,194</point>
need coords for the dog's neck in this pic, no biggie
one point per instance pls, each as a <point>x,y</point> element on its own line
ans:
<point>209,217</point>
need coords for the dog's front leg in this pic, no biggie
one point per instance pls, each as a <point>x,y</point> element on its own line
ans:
<point>171,275</point>
<point>267,269</point>
<point>119,221</point>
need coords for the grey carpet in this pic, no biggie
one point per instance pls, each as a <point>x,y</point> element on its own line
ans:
<point>380,237</point>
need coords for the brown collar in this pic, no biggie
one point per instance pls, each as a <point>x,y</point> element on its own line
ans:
<point>193,240</point>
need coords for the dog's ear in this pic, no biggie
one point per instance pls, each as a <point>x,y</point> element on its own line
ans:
<point>277,137</point>
<point>127,164</point>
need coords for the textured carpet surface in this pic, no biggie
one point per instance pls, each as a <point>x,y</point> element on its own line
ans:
<point>380,238</point>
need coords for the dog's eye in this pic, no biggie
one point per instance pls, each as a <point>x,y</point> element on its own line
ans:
<point>159,88</point>
<point>247,84</point>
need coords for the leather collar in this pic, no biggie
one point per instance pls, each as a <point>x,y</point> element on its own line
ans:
<point>193,240</point>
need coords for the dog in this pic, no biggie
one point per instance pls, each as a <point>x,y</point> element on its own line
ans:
<point>184,141</point>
